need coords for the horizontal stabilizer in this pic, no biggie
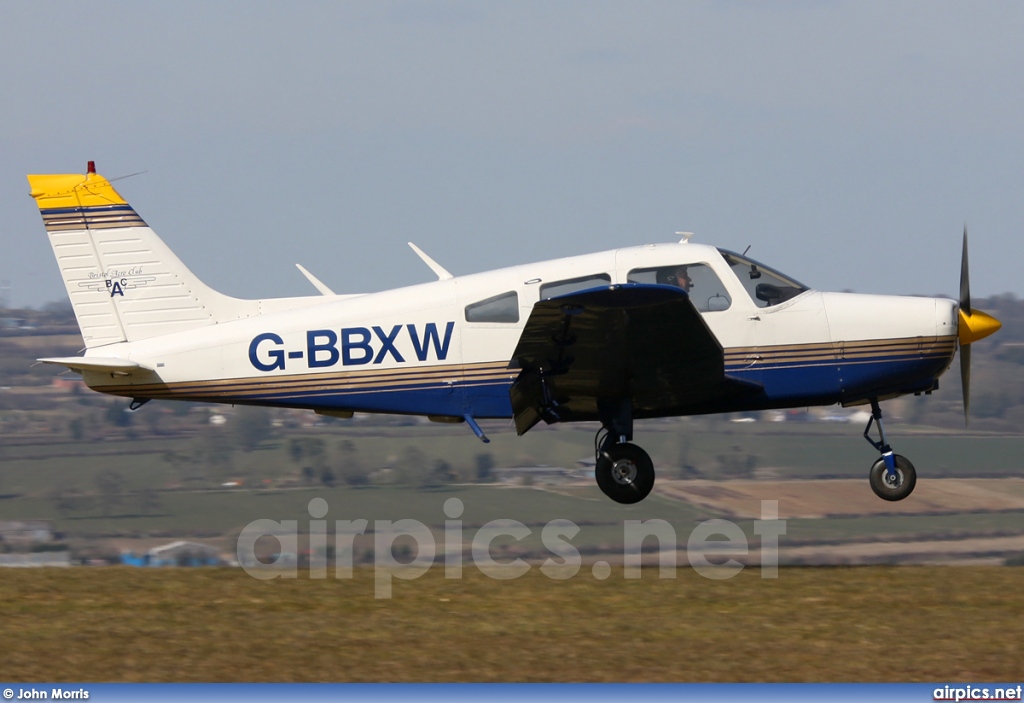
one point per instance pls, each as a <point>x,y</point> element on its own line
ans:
<point>97,363</point>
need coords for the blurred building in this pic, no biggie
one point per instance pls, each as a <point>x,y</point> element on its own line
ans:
<point>175,554</point>
<point>21,534</point>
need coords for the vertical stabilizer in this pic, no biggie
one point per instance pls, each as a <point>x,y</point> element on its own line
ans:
<point>123,281</point>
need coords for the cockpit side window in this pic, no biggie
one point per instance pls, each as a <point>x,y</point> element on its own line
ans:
<point>704,286</point>
<point>574,285</point>
<point>765,286</point>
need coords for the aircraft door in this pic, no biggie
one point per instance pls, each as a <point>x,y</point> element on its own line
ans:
<point>785,341</point>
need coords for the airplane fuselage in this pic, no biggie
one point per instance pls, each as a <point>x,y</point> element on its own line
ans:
<point>443,348</point>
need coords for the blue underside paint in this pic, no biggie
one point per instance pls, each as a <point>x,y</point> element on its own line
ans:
<point>784,386</point>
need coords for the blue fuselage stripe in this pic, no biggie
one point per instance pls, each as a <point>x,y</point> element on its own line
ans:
<point>784,384</point>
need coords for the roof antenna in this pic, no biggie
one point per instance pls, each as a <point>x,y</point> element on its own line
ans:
<point>746,250</point>
<point>685,236</point>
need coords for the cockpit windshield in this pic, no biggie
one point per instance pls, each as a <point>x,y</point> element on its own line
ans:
<point>765,286</point>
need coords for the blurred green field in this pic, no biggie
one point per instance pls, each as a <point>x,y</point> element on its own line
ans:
<point>788,451</point>
<point>222,514</point>
<point>32,475</point>
<point>809,624</point>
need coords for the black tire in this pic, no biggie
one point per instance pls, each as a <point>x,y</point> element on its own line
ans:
<point>625,473</point>
<point>882,484</point>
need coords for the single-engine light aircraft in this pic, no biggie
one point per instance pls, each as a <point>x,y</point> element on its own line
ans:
<point>641,332</point>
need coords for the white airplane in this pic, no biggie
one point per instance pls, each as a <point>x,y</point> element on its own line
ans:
<point>641,332</point>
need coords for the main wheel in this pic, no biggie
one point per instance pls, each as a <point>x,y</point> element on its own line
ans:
<point>889,487</point>
<point>625,473</point>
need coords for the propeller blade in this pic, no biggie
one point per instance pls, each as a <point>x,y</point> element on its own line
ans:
<point>971,326</point>
<point>965,309</point>
<point>965,378</point>
<point>965,279</point>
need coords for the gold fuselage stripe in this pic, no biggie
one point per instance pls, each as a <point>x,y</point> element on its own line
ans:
<point>495,372</point>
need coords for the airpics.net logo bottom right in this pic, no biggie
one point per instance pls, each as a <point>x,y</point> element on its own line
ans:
<point>711,547</point>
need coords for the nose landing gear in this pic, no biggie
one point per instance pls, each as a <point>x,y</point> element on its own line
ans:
<point>892,477</point>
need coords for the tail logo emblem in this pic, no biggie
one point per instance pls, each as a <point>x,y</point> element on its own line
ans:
<point>116,285</point>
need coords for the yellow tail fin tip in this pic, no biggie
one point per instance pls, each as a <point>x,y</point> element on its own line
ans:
<point>71,190</point>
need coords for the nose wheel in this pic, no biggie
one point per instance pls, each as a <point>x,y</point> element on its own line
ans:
<point>625,473</point>
<point>892,477</point>
<point>893,485</point>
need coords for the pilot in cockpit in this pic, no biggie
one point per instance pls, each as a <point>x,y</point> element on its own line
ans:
<point>675,276</point>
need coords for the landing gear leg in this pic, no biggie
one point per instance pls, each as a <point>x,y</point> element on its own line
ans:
<point>892,477</point>
<point>624,471</point>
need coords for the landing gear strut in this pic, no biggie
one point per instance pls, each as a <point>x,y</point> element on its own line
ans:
<point>624,471</point>
<point>893,476</point>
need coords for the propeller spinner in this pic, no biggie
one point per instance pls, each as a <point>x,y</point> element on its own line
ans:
<point>973,325</point>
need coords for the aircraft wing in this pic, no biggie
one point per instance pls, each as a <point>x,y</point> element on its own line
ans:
<point>123,367</point>
<point>644,343</point>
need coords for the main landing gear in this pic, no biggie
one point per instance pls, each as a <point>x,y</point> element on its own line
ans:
<point>624,471</point>
<point>893,476</point>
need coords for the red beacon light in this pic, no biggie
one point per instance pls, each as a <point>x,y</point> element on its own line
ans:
<point>91,167</point>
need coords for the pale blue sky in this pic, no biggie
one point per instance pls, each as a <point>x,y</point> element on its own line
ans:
<point>846,142</point>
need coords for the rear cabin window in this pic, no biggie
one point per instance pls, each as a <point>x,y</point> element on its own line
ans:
<point>500,308</point>
<point>704,286</point>
<point>574,285</point>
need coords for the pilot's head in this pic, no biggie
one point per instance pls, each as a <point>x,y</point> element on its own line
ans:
<point>674,276</point>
